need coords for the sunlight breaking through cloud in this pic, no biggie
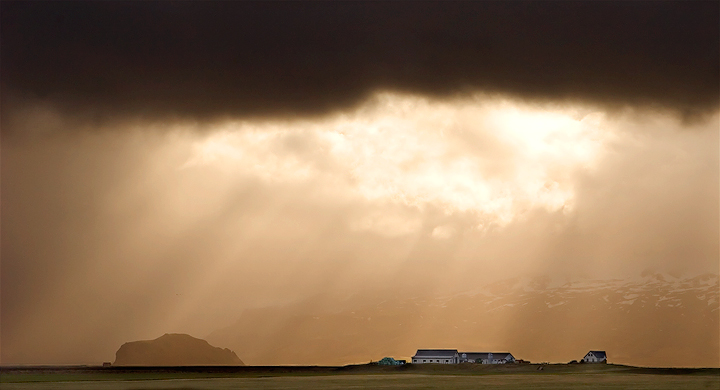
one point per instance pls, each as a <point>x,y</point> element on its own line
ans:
<point>494,157</point>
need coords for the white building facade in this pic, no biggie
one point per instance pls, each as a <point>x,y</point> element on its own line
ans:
<point>595,357</point>
<point>452,356</point>
<point>486,357</point>
<point>437,356</point>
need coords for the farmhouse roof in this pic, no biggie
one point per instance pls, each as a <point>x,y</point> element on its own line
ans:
<point>436,352</point>
<point>484,355</point>
<point>599,354</point>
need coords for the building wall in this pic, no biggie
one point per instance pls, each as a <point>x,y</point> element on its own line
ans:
<point>434,359</point>
<point>591,359</point>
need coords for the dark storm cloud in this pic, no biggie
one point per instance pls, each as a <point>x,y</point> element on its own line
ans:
<point>269,58</point>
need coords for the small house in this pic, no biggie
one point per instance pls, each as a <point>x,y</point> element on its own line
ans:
<point>595,357</point>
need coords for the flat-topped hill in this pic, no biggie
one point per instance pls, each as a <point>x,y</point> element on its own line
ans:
<point>174,350</point>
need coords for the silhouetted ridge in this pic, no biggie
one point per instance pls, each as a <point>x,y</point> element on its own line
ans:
<point>174,350</point>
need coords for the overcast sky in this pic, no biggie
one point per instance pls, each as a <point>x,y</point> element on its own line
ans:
<point>165,165</point>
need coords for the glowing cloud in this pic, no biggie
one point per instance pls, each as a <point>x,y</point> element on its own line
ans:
<point>495,158</point>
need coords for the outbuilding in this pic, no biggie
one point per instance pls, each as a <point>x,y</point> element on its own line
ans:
<point>438,356</point>
<point>388,361</point>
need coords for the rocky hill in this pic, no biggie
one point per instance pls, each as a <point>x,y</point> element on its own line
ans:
<point>656,320</point>
<point>174,350</point>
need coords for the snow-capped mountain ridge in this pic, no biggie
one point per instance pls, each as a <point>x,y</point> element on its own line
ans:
<point>657,289</point>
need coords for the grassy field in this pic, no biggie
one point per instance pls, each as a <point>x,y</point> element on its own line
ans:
<point>360,377</point>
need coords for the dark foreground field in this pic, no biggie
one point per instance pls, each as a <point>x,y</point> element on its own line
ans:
<point>362,376</point>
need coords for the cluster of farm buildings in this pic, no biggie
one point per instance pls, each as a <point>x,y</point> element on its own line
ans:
<point>452,356</point>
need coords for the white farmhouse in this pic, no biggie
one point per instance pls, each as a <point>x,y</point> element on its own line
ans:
<point>439,356</point>
<point>595,357</point>
<point>486,357</point>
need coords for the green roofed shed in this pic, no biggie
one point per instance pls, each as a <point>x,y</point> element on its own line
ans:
<point>388,361</point>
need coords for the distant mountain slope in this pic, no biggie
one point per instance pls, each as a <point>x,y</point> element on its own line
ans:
<point>655,321</point>
<point>174,350</point>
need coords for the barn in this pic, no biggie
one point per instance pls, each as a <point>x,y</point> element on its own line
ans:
<point>438,356</point>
